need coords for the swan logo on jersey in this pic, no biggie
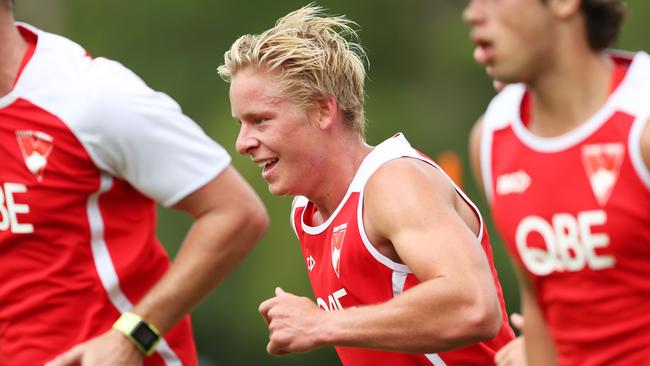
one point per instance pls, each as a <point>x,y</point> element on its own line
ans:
<point>36,147</point>
<point>602,163</point>
<point>338,235</point>
<point>517,182</point>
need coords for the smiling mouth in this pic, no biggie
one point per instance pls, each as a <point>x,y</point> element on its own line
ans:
<point>266,165</point>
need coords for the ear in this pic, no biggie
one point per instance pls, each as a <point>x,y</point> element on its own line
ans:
<point>327,110</point>
<point>564,9</point>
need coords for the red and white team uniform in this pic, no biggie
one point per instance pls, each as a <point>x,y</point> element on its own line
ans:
<point>346,270</point>
<point>574,211</point>
<point>86,150</point>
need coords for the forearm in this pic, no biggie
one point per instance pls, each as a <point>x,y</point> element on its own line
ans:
<point>214,245</point>
<point>434,316</point>
<point>540,349</point>
<point>539,346</point>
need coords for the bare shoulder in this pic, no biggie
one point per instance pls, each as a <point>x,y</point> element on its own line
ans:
<point>475,137</point>
<point>403,188</point>
<point>407,176</point>
<point>476,133</point>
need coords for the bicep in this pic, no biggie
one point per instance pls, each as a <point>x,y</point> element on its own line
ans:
<point>419,219</point>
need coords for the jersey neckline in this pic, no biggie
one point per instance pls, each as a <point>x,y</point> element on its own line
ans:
<point>352,187</point>
<point>585,129</point>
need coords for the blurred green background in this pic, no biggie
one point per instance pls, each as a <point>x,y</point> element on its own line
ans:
<point>422,81</point>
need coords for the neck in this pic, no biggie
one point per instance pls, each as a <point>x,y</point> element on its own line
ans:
<point>12,49</point>
<point>338,172</point>
<point>569,91</point>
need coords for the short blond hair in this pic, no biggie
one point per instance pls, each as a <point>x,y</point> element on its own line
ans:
<point>317,55</point>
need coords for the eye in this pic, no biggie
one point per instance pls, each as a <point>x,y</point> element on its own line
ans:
<point>260,120</point>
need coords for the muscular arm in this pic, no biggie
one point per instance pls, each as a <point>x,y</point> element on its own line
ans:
<point>455,305</point>
<point>539,346</point>
<point>229,219</point>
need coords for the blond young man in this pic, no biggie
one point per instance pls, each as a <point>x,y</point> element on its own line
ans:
<point>398,257</point>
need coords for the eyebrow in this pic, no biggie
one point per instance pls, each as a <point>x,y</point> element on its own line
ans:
<point>252,114</point>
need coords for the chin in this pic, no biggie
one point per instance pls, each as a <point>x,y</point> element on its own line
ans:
<point>278,190</point>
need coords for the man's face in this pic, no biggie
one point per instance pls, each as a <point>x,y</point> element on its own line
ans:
<point>274,131</point>
<point>512,37</point>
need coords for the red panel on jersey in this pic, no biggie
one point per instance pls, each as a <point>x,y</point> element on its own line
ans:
<point>345,273</point>
<point>575,214</point>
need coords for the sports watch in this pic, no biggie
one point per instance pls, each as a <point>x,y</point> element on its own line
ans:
<point>144,335</point>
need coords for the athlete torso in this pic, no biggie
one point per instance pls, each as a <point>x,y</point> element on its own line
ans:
<point>346,270</point>
<point>574,211</point>
<point>77,200</point>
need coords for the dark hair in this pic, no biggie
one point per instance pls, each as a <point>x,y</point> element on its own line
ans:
<point>603,20</point>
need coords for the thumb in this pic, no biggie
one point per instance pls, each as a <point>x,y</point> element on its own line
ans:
<point>279,291</point>
<point>517,320</point>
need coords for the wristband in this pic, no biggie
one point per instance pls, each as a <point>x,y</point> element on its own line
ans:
<point>144,335</point>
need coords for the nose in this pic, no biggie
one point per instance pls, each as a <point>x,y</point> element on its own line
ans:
<point>246,142</point>
<point>473,12</point>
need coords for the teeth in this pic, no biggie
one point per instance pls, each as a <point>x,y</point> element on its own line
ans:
<point>263,163</point>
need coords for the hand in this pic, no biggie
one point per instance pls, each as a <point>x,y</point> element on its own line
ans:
<point>293,322</point>
<point>513,353</point>
<point>108,349</point>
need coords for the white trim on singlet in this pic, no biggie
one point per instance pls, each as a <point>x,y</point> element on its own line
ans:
<point>634,144</point>
<point>462,194</point>
<point>631,96</point>
<point>402,150</point>
<point>618,100</point>
<point>638,103</point>
<point>396,147</point>
<point>298,201</point>
<point>315,230</point>
<point>497,116</point>
<point>105,268</point>
<point>8,99</point>
<point>398,280</point>
<point>396,267</point>
<point>566,140</point>
<point>435,359</point>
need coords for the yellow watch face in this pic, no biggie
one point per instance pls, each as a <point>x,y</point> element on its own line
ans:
<point>143,335</point>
